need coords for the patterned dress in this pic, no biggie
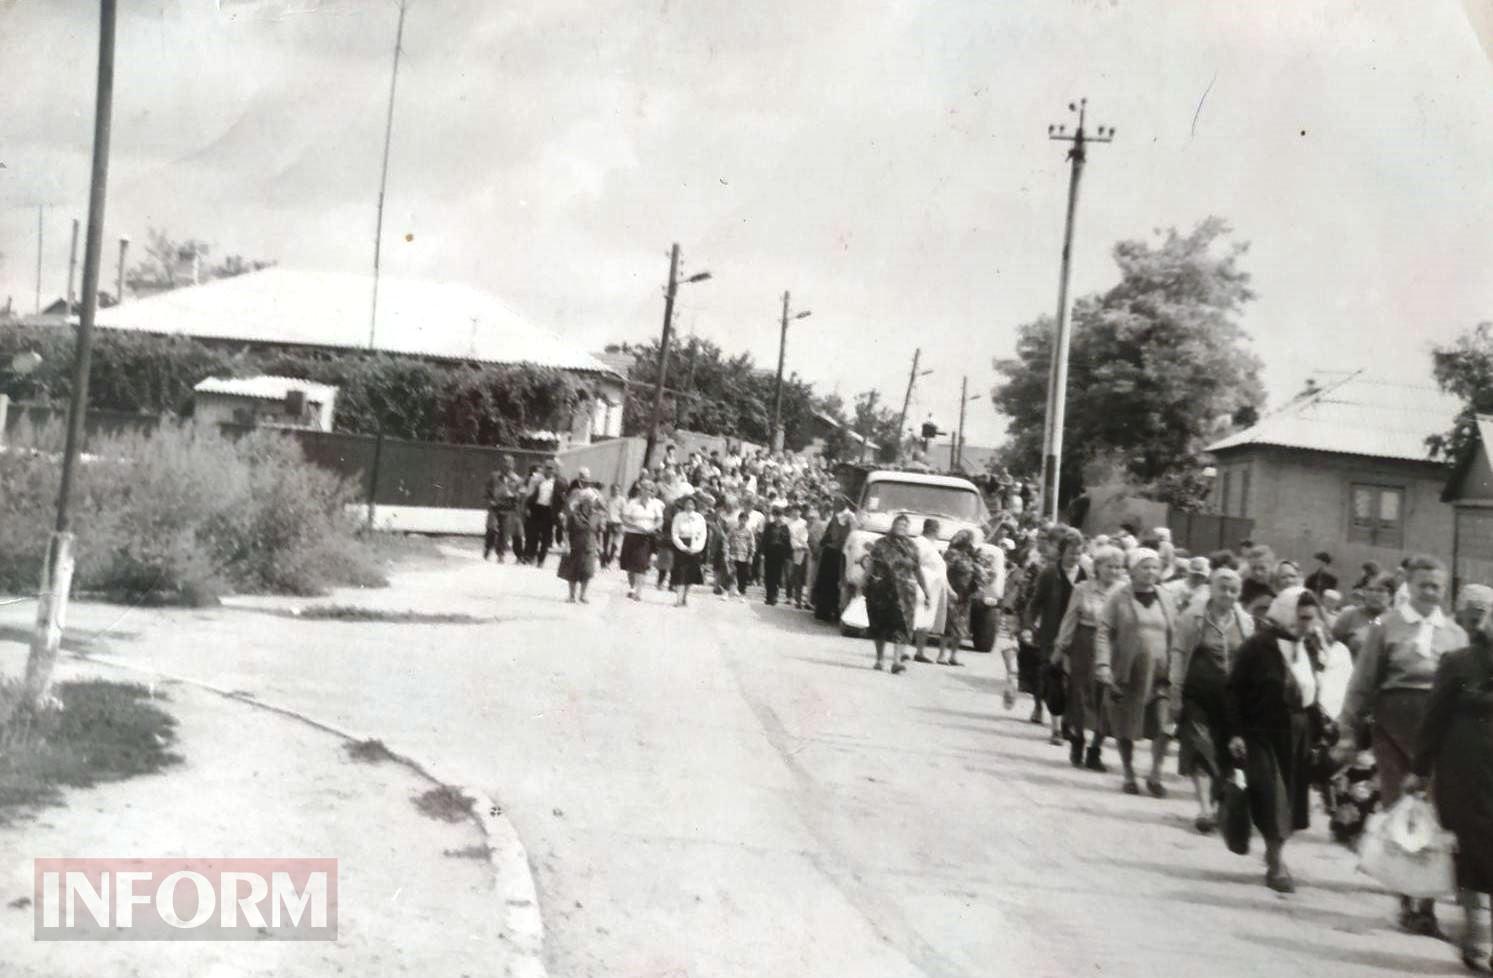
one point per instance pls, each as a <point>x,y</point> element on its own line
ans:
<point>891,589</point>
<point>966,575</point>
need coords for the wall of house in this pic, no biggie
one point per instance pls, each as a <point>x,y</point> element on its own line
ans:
<point>226,408</point>
<point>1301,503</point>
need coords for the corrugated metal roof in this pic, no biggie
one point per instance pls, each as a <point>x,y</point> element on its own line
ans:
<point>1358,416</point>
<point>265,387</point>
<point>330,309</point>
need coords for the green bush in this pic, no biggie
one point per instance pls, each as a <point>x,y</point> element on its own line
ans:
<point>184,513</point>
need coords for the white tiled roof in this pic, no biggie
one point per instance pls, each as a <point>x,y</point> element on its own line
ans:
<point>331,309</point>
<point>1357,416</point>
<point>266,388</point>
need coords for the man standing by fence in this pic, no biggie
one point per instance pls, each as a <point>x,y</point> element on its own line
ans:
<point>545,499</point>
<point>505,490</point>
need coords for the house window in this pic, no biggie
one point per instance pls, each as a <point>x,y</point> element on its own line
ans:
<point>1377,515</point>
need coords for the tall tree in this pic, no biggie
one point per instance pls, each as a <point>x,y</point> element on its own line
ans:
<point>170,263</point>
<point>1463,368</point>
<point>1153,363</point>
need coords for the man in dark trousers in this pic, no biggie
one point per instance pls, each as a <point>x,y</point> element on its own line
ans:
<point>505,490</point>
<point>777,550</point>
<point>1322,579</point>
<point>544,503</point>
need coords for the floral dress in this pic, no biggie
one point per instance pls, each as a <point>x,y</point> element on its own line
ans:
<point>891,589</point>
<point>966,575</point>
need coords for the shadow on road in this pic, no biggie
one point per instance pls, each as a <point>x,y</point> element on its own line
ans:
<point>1374,958</point>
<point>857,665</point>
<point>1330,919</point>
<point>1246,877</point>
<point>73,640</point>
<point>790,619</point>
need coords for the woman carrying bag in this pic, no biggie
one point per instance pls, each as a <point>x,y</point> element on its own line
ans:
<point>1455,753</point>
<point>1272,712</point>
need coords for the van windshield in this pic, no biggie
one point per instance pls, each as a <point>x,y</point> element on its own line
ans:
<point>953,502</point>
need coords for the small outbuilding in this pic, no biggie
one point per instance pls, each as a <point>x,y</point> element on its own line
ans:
<point>271,402</point>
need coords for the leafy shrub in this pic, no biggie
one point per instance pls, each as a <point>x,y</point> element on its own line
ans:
<point>183,512</point>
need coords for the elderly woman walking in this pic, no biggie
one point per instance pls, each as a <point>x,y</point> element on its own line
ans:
<point>1392,679</point>
<point>1074,649</point>
<point>1272,710</point>
<point>894,580</point>
<point>1455,752</point>
<point>688,535</point>
<point>585,521</point>
<point>1131,648</point>
<point>965,576</point>
<point>1043,617</point>
<point>1203,648</point>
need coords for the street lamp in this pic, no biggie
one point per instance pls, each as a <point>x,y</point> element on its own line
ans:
<point>777,397</point>
<point>663,348</point>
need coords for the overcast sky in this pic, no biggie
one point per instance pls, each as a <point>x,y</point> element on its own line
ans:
<point>888,162</point>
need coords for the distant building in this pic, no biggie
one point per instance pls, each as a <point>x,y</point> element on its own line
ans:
<point>1342,468</point>
<point>823,425</point>
<point>282,308</point>
<point>271,402</point>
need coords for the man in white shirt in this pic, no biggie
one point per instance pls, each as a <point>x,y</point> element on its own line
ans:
<point>546,496</point>
<point>798,538</point>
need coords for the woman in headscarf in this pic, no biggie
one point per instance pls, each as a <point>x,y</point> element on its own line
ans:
<point>1131,649</point>
<point>1392,679</point>
<point>1272,710</point>
<point>1050,596</point>
<point>894,579</point>
<point>585,521</point>
<point>829,570</point>
<point>1455,752</point>
<point>965,575</point>
<point>1203,648</point>
<point>1074,649</point>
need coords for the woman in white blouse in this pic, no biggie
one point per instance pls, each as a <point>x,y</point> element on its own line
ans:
<point>641,519</point>
<point>688,533</point>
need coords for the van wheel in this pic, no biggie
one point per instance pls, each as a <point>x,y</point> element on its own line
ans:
<point>984,622</point>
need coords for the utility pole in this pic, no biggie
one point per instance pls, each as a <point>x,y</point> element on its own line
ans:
<point>1057,378</point>
<point>954,443</point>
<point>670,291</point>
<point>57,568</point>
<point>777,397</point>
<point>912,378</point>
<point>378,241</point>
<point>40,211</point>
<point>72,266</point>
<point>124,247</point>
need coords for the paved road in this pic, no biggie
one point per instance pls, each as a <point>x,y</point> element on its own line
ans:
<point>730,790</point>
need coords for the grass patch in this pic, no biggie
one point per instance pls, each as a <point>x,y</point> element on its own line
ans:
<point>346,612</point>
<point>104,732</point>
<point>444,804</point>
<point>368,752</point>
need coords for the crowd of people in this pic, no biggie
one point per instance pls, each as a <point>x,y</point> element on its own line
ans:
<point>1361,692</point>
<point>1301,683</point>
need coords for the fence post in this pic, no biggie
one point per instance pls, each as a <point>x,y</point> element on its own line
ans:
<point>4,416</point>
<point>378,456</point>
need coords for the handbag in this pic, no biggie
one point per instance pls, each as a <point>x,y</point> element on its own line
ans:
<point>1055,689</point>
<point>1408,851</point>
<point>1233,809</point>
<point>855,615</point>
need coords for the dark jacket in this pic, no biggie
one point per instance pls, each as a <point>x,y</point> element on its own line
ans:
<point>775,539</point>
<point>1262,696</point>
<point>1044,610</point>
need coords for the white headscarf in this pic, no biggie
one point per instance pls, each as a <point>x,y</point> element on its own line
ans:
<point>1283,609</point>
<point>1142,553</point>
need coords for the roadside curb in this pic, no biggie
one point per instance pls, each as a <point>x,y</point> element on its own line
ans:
<point>513,886</point>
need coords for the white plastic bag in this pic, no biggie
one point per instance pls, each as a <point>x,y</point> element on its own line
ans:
<point>854,615</point>
<point>1408,851</point>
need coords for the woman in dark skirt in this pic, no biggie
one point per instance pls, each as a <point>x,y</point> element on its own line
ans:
<point>1272,709</point>
<point>894,578</point>
<point>1043,618</point>
<point>829,568</point>
<point>585,518</point>
<point>641,518</point>
<point>688,536</point>
<point>1455,751</point>
<point>1203,649</point>
<point>1073,649</point>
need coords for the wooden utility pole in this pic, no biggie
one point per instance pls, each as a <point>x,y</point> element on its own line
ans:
<point>40,234</point>
<point>1057,378</point>
<point>72,266</point>
<point>57,568</point>
<point>912,378</point>
<point>776,435</point>
<point>663,355</point>
<point>956,449</point>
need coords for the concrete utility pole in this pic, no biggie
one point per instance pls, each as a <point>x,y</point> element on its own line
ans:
<point>912,378</point>
<point>72,266</point>
<point>57,569</point>
<point>1057,378</point>
<point>124,247</point>
<point>777,398</point>
<point>956,460</point>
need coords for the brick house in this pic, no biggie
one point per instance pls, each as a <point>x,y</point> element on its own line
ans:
<point>1469,491</point>
<point>1342,468</point>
